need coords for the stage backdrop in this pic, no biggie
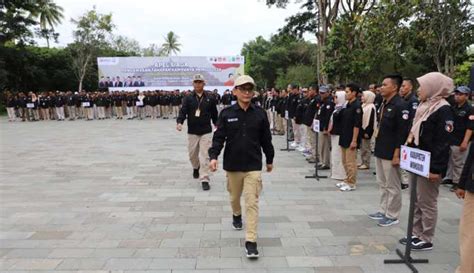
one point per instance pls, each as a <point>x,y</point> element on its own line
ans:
<point>168,73</point>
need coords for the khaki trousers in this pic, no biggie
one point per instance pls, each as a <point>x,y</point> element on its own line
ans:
<point>72,112</point>
<point>426,208</point>
<point>11,113</point>
<point>466,236</point>
<point>198,147</point>
<point>90,112</point>
<point>324,149</point>
<point>279,124</point>
<point>60,113</point>
<point>296,132</point>
<point>175,111</point>
<point>250,183</point>
<point>349,161</point>
<point>456,163</point>
<point>311,141</point>
<point>337,168</point>
<point>365,152</point>
<point>118,112</point>
<point>389,179</point>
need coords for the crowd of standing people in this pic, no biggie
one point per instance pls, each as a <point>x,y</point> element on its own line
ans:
<point>428,113</point>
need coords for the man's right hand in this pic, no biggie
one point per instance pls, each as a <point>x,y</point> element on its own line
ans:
<point>179,127</point>
<point>213,165</point>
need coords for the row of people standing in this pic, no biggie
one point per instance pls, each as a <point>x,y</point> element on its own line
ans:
<point>380,120</point>
<point>94,105</point>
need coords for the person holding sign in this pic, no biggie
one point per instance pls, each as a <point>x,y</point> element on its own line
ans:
<point>199,109</point>
<point>245,130</point>
<point>431,132</point>
<point>390,134</point>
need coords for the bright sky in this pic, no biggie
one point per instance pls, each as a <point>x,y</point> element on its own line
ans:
<point>205,27</point>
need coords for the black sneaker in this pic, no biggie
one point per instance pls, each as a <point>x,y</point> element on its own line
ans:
<point>422,246</point>
<point>324,167</point>
<point>404,186</point>
<point>237,222</point>
<point>453,188</point>
<point>251,250</point>
<point>196,173</point>
<point>205,186</point>
<point>447,182</point>
<point>414,240</point>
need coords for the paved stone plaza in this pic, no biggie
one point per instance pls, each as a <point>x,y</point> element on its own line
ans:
<point>118,196</point>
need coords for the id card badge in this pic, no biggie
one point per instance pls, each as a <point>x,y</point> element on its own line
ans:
<point>198,113</point>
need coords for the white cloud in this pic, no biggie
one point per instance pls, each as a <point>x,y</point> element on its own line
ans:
<point>205,27</point>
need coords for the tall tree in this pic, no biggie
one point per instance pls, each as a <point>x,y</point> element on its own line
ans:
<point>91,34</point>
<point>49,15</point>
<point>171,44</point>
<point>16,21</point>
<point>125,44</point>
<point>152,50</point>
<point>447,28</point>
<point>319,17</point>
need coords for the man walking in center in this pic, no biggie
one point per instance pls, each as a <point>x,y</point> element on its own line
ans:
<point>245,130</point>
<point>199,109</point>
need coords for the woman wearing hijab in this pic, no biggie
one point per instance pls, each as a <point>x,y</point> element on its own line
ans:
<point>337,169</point>
<point>367,130</point>
<point>431,130</point>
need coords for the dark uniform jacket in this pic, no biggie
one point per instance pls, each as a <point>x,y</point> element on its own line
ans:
<point>393,127</point>
<point>198,125</point>
<point>245,134</point>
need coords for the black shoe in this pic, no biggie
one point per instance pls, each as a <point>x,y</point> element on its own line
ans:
<point>414,240</point>
<point>404,186</point>
<point>196,173</point>
<point>453,188</point>
<point>237,222</point>
<point>324,167</point>
<point>205,186</point>
<point>447,182</point>
<point>312,161</point>
<point>422,246</point>
<point>251,250</point>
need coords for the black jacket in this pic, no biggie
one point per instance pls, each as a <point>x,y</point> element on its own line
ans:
<point>245,134</point>
<point>466,182</point>
<point>311,110</point>
<point>324,113</point>
<point>293,101</point>
<point>351,118</point>
<point>393,127</point>
<point>200,125</point>
<point>435,133</point>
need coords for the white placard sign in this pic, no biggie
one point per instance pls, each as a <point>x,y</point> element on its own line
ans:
<point>316,127</point>
<point>415,160</point>
<point>30,105</point>
<point>86,104</point>
<point>139,103</point>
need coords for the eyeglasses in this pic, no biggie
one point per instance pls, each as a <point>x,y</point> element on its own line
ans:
<point>247,90</point>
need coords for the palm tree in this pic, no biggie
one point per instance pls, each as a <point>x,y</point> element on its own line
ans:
<point>49,15</point>
<point>171,44</point>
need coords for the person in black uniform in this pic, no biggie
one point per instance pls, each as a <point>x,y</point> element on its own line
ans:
<point>431,130</point>
<point>11,105</point>
<point>461,136</point>
<point>22,106</point>
<point>199,109</point>
<point>245,130</point>
<point>392,131</point>
<point>308,118</point>
<point>349,139</point>
<point>299,114</point>
<point>409,95</point>
<point>293,100</point>
<point>324,115</point>
<point>59,103</point>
